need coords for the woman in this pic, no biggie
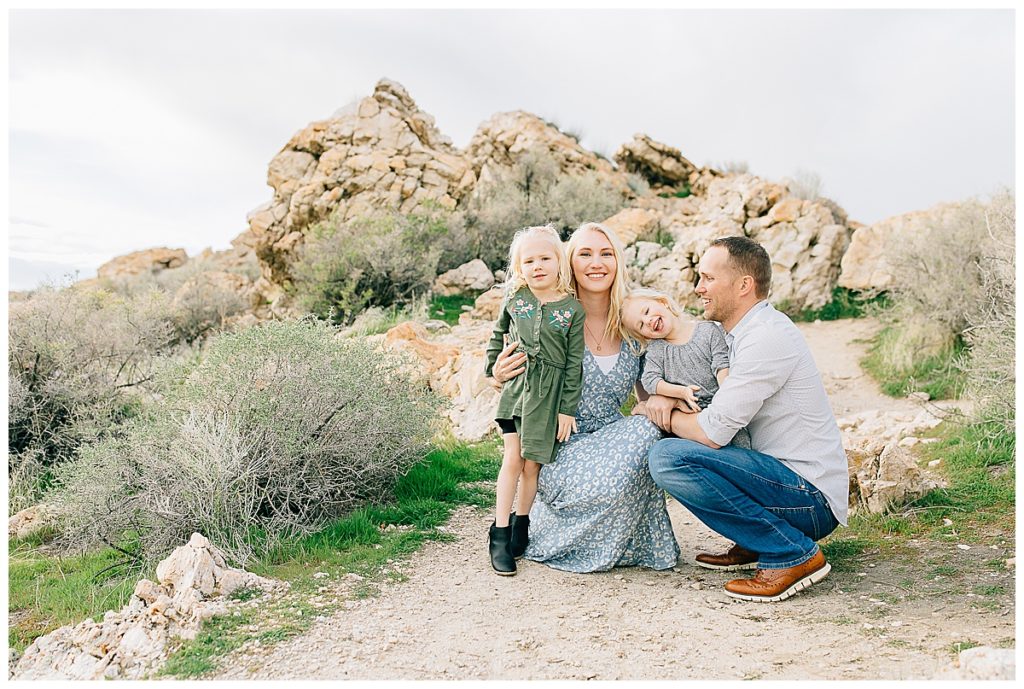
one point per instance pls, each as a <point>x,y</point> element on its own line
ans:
<point>597,506</point>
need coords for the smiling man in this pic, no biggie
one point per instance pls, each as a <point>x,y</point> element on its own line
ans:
<point>791,489</point>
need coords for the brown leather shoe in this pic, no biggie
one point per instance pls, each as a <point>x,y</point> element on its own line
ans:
<point>736,558</point>
<point>771,585</point>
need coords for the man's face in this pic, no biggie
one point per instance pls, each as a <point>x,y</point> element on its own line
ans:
<point>718,284</point>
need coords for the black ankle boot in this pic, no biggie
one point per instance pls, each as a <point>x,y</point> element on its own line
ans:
<point>501,559</point>
<point>520,534</point>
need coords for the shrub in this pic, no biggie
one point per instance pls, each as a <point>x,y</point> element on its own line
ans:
<point>79,362</point>
<point>805,185</point>
<point>379,260</point>
<point>991,380</point>
<point>532,192</point>
<point>280,428</point>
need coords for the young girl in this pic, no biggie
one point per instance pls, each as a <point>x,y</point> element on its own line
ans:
<point>537,407</point>
<point>686,359</point>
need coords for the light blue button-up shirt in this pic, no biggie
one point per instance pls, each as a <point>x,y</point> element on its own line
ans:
<point>775,391</point>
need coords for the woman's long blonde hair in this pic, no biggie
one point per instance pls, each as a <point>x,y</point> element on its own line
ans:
<point>620,285</point>
<point>514,278</point>
<point>654,295</point>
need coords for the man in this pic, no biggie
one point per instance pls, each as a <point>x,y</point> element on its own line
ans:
<point>775,500</point>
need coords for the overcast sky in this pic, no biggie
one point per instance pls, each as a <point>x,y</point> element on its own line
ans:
<point>130,130</point>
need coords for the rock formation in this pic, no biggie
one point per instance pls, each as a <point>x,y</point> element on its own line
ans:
<point>145,261</point>
<point>31,520</point>
<point>658,163</point>
<point>470,277</point>
<point>130,644</point>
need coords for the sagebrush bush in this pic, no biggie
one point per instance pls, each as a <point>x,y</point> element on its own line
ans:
<point>80,360</point>
<point>278,429</point>
<point>991,378</point>
<point>532,192</point>
<point>378,260</point>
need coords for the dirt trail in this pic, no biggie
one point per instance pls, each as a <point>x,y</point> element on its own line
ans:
<point>453,619</point>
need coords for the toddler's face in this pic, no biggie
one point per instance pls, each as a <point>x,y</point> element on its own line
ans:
<point>648,318</point>
<point>539,263</point>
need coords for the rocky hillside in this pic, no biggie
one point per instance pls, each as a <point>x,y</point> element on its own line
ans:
<point>385,153</point>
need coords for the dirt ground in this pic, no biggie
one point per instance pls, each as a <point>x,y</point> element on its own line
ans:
<point>454,619</point>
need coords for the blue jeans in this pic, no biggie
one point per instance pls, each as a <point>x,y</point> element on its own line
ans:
<point>749,497</point>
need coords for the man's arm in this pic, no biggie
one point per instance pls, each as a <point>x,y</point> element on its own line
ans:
<point>686,426</point>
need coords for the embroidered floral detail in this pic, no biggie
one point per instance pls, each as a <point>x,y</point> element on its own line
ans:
<point>561,319</point>
<point>522,308</point>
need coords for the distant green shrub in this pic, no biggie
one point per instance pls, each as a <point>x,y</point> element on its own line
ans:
<point>378,260</point>
<point>278,429</point>
<point>845,303</point>
<point>934,370</point>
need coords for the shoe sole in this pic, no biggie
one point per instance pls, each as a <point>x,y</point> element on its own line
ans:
<point>726,568</point>
<point>797,586</point>
<point>504,574</point>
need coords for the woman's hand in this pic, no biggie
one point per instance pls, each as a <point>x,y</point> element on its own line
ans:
<point>658,409</point>
<point>508,365</point>
<point>566,427</point>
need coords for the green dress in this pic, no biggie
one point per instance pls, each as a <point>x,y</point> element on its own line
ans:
<point>551,334</point>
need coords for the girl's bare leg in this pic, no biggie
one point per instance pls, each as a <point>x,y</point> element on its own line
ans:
<point>527,486</point>
<point>508,477</point>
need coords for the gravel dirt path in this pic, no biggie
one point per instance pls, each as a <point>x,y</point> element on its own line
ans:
<point>454,619</point>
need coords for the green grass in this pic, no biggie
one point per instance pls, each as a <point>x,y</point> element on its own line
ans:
<point>48,591</point>
<point>360,543</point>
<point>938,375</point>
<point>447,309</point>
<point>978,464</point>
<point>845,303</point>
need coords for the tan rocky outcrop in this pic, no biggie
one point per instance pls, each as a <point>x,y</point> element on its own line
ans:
<point>384,152</point>
<point>802,238</point>
<point>631,223</point>
<point>501,141</point>
<point>474,276</point>
<point>865,265</point>
<point>658,163</point>
<point>131,644</point>
<point>31,520</point>
<point>146,261</point>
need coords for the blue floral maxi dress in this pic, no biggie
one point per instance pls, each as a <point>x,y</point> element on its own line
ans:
<point>597,506</point>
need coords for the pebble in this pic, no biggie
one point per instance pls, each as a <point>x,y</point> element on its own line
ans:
<point>1011,562</point>
<point>961,546</point>
<point>320,575</point>
<point>947,522</point>
<point>934,463</point>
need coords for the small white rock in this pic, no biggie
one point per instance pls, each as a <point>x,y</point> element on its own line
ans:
<point>934,463</point>
<point>961,546</point>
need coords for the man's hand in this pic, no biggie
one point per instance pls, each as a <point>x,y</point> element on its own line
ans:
<point>658,409</point>
<point>566,427</point>
<point>508,365</point>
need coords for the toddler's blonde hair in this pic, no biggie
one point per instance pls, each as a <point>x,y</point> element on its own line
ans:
<point>514,278</point>
<point>654,295</point>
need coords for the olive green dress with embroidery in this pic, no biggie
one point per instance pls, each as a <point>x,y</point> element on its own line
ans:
<point>551,334</point>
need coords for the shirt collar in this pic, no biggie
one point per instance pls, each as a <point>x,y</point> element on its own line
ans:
<point>745,321</point>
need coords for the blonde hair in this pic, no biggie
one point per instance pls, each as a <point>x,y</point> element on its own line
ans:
<point>620,285</point>
<point>654,295</point>
<point>514,278</point>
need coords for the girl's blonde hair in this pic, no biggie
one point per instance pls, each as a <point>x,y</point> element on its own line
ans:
<point>654,295</point>
<point>514,278</point>
<point>620,284</point>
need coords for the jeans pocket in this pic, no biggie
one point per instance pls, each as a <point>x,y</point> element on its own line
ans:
<point>803,519</point>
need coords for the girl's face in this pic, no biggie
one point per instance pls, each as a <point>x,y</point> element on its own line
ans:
<point>538,261</point>
<point>593,263</point>
<point>648,317</point>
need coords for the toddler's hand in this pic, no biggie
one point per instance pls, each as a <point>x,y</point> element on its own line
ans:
<point>688,403</point>
<point>566,427</point>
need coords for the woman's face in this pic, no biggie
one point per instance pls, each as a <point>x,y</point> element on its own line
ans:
<point>593,263</point>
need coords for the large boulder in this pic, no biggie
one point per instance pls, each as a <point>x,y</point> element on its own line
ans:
<point>193,583</point>
<point>139,262</point>
<point>865,264</point>
<point>658,163</point>
<point>31,520</point>
<point>474,276</point>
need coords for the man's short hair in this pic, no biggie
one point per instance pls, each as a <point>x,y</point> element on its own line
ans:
<point>749,258</point>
